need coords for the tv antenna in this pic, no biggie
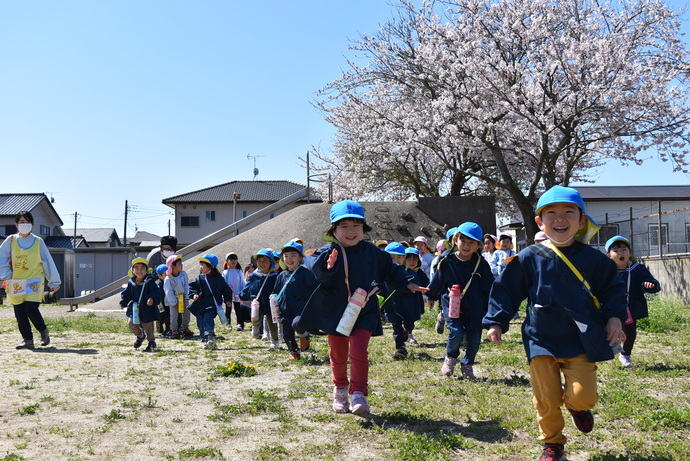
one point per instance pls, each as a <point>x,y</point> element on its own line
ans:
<point>256,170</point>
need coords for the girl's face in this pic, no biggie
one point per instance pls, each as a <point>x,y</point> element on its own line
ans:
<point>176,267</point>
<point>489,246</point>
<point>139,270</point>
<point>398,259</point>
<point>466,246</point>
<point>204,268</point>
<point>349,232</point>
<point>292,260</point>
<point>264,264</point>
<point>232,262</point>
<point>411,261</point>
<point>420,246</point>
<point>620,253</point>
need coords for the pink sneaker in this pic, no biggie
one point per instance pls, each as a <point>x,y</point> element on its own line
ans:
<point>340,404</point>
<point>359,403</point>
<point>448,366</point>
<point>467,371</point>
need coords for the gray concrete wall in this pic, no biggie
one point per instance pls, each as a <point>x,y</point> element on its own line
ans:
<point>673,272</point>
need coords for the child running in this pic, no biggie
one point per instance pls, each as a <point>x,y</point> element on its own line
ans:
<point>342,266</point>
<point>209,291</point>
<point>176,288</point>
<point>575,308</point>
<point>140,297</point>
<point>465,267</point>
<point>259,287</point>
<point>638,281</point>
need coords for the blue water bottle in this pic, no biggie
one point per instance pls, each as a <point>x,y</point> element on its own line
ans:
<point>221,314</point>
<point>135,314</point>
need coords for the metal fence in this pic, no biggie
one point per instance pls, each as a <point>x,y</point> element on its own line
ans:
<point>664,233</point>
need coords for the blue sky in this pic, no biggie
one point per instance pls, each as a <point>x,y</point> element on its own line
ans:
<point>102,102</point>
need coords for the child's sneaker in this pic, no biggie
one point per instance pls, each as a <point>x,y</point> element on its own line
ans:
<point>411,339</point>
<point>400,354</point>
<point>340,404</point>
<point>265,337</point>
<point>275,345</point>
<point>440,323</point>
<point>552,452</point>
<point>26,344</point>
<point>138,342</point>
<point>240,328</point>
<point>625,360</point>
<point>359,403</point>
<point>151,347</point>
<point>467,371</point>
<point>255,333</point>
<point>293,356</point>
<point>583,420</point>
<point>304,344</point>
<point>45,337</point>
<point>448,366</point>
<point>175,334</point>
<point>188,333</point>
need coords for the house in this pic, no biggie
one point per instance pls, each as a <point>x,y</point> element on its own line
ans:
<point>47,222</point>
<point>202,212</point>
<point>143,242</point>
<point>646,215</point>
<point>95,237</point>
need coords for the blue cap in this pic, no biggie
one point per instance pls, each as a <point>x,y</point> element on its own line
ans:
<point>276,255</point>
<point>264,252</point>
<point>346,209</point>
<point>450,233</point>
<point>471,230</point>
<point>395,248</point>
<point>562,194</point>
<point>411,251</point>
<point>209,258</point>
<point>295,245</point>
<point>614,239</point>
<point>161,269</point>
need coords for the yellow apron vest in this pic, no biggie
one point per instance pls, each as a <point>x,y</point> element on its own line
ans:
<point>27,273</point>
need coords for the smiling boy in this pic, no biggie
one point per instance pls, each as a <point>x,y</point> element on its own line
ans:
<point>570,324</point>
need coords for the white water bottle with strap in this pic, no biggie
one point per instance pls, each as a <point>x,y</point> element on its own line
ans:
<point>354,307</point>
<point>275,307</point>
<point>255,309</point>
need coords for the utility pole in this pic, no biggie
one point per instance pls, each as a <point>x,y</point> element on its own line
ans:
<point>74,241</point>
<point>169,227</point>
<point>125,234</point>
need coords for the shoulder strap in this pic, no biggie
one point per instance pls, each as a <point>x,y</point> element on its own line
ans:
<point>280,295</point>
<point>476,266</point>
<point>575,271</point>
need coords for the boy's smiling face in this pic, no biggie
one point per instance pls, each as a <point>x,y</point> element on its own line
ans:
<point>139,270</point>
<point>349,232</point>
<point>466,246</point>
<point>292,259</point>
<point>560,222</point>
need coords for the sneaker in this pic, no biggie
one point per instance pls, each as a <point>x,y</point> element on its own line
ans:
<point>275,345</point>
<point>411,339</point>
<point>175,335</point>
<point>625,360</point>
<point>440,324</point>
<point>26,344</point>
<point>448,366</point>
<point>359,403</point>
<point>240,328</point>
<point>45,337</point>
<point>340,404</point>
<point>400,354</point>
<point>583,420</point>
<point>467,371</point>
<point>211,344</point>
<point>188,333</point>
<point>151,347</point>
<point>138,342</point>
<point>293,356</point>
<point>304,344</point>
<point>552,452</point>
<point>265,337</point>
<point>255,333</point>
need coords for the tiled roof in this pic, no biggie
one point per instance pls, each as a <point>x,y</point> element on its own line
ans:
<point>144,238</point>
<point>54,241</point>
<point>92,234</point>
<point>250,191</point>
<point>11,204</point>
<point>600,193</point>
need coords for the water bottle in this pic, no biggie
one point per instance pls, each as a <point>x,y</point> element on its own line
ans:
<point>180,304</point>
<point>255,310</point>
<point>454,301</point>
<point>135,313</point>
<point>221,313</point>
<point>617,347</point>
<point>354,307</point>
<point>275,307</point>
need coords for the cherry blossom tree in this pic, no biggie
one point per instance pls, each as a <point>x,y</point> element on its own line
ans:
<point>508,96</point>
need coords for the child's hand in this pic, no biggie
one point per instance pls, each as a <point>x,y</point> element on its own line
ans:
<point>648,285</point>
<point>414,287</point>
<point>195,297</point>
<point>614,330</point>
<point>332,258</point>
<point>149,302</point>
<point>494,334</point>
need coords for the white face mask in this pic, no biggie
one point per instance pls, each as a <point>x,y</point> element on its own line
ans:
<point>25,228</point>
<point>168,253</point>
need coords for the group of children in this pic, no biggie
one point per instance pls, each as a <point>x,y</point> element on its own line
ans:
<point>580,302</point>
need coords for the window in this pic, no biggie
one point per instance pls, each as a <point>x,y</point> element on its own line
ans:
<point>189,221</point>
<point>605,233</point>
<point>210,215</point>
<point>271,216</point>
<point>11,229</point>
<point>244,213</point>
<point>45,230</point>
<point>654,234</point>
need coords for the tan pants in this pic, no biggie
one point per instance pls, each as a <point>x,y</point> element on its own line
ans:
<point>579,392</point>
<point>272,327</point>
<point>143,328</point>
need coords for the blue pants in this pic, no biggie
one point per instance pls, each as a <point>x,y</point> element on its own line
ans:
<point>456,331</point>
<point>401,331</point>
<point>25,312</point>
<point>205,321</point>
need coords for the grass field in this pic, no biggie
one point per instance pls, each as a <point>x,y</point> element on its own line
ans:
<point>91,396</point>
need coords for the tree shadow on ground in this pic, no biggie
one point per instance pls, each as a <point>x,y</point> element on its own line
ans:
<point>618,457</point>
<point>484,431</point>
<point>55,350</point>
<point>662,367</point>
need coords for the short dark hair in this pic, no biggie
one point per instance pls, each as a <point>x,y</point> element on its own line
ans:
<point>331,230</point>
<point>24,214</point>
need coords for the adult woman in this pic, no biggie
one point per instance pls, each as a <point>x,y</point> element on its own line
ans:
<point>25,263</point>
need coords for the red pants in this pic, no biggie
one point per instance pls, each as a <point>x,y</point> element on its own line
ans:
<point>355,347</point>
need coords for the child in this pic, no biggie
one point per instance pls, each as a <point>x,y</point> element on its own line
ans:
<point>208,292</point>
<point>502,253</point>
<point>176,285</point>
<point>293,287</point>
<point>638,281</point>
<point>422,245</point>
<point>342,266</point>
<point>463,266</point>
<point>489,247</point>
<point>232,273</point>
<point>259,286</point>
<point>413,263</point>
<point>163,314</point>
<point>565,332</point>
<point>142,291</point>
